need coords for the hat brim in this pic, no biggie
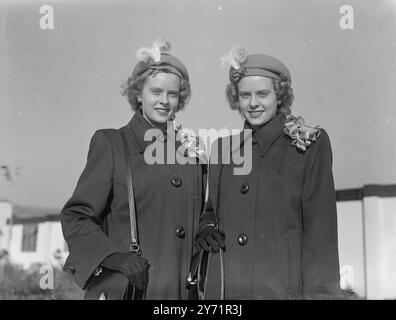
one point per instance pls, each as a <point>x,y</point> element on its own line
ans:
<point>261,73</point>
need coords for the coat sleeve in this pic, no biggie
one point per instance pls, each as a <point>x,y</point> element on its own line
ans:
<point>82,216</point>
<point>319,213</point>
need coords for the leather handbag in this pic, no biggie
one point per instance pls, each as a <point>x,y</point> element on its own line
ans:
<point>206,267</point>
<point>196,279</point>
<point>109,285</point>
<point>113,285</point>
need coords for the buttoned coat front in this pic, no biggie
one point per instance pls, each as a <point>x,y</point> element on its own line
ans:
<point>279,220</point>
<point>168,198</point>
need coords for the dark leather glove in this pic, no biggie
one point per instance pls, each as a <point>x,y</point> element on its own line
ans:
<point>132,265</point>
<point>209,237</point>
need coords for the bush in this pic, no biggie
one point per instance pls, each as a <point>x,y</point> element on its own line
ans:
<point>17,283</point>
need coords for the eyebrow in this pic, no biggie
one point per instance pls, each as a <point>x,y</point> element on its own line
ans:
<point>160,89</point>
<point>260,90</point>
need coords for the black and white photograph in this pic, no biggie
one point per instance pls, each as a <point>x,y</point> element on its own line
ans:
<point>211,150</point>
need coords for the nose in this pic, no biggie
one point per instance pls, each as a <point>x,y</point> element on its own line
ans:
<point>253,102</point>
<point>164,98</point>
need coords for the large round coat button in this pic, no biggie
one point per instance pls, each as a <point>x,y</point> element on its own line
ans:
<point>242,239</point>
<point>176,182</point>
<point>244,188</point>
<point>180,232</point>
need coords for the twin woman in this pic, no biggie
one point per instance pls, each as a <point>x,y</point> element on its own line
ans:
<point>275,227</point>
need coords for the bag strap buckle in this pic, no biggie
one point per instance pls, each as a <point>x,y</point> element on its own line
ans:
<point>135,248</point>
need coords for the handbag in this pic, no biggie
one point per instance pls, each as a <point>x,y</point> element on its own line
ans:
<point>207,266</point>
<point>109,285</point>
<point>113,285</point>
<point>196,279</point>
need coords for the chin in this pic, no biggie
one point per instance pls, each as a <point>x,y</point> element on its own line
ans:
<point>161,119</point>
<point>258,122</point>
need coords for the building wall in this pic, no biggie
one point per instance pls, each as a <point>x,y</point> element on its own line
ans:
<point>5,214</point>
<point>351,245</point>
<point>367,242</point>
<point>388,211</point>
<point>380,243</point>
<point>49,239</point>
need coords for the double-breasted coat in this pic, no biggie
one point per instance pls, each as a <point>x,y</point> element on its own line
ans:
<point>168,199</point>
<point>280,220</point>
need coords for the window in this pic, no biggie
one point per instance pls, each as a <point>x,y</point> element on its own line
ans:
<point>29,237</point>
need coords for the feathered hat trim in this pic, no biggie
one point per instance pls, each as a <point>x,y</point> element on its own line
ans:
<point>234,58</point>
<point>144,54</point>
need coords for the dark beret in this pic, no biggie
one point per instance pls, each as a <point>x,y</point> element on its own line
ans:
<point>260,65</point>
<point>168,62</point>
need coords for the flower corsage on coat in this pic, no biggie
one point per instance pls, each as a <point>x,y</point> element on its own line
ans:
<point>300,134</point>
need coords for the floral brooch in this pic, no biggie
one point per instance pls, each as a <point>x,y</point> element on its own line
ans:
<point>301,135</point>
<point>235,59</point>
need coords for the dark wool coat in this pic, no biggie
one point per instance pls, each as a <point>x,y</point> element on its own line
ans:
<point>168,197</point>
<point>284,215</point>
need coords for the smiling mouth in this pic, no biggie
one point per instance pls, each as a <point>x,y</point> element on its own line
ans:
<point>255,113</point>
<point>162,110</point>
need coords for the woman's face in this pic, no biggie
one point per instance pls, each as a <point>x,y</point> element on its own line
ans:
<point>257,99</point>
<point>160,97</point>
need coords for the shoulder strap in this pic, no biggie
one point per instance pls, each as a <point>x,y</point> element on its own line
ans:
<point>135,247</point>
<point>220,250</point>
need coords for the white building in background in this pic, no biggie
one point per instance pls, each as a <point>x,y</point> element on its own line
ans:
<point>366,238</point>
<point>31,235</point>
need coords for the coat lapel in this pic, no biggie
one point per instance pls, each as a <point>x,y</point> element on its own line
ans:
<point>136,129</point>
<point>265,136</point>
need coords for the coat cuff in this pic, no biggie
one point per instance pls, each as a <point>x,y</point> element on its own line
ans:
<point>83,261</point>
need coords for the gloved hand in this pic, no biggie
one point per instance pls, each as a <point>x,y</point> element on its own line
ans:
<point>209,237</point>
<point>132,265</point>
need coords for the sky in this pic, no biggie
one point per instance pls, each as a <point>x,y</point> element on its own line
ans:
<point>58,86</point>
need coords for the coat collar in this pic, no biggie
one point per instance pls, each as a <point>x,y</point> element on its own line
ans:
<point>266,135</point>
<point>136,129</point>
